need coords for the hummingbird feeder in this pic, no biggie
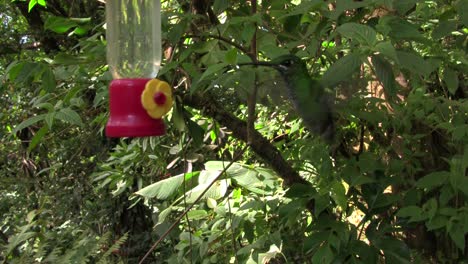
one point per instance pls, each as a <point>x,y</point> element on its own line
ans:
<point>137,100</point>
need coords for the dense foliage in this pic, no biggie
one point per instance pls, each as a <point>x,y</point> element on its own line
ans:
<point>393,188</point>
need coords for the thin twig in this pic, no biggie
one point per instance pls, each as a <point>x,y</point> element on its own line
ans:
<point>224,39</point>
<point>190,207</point>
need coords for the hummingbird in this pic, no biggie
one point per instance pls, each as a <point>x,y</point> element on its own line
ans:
<point>306,94</point>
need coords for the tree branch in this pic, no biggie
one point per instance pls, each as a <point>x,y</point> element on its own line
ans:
<point>260,145</point>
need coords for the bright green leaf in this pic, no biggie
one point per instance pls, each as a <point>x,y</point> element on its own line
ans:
<point>59,24</point>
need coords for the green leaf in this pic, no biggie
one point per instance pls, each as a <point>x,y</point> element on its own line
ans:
<point>444,28</point>
<point>24,71</point>
<point>197,214</point>
<point>395,251</point>
<point>196,132</point>
<point>220,6</point>
<point>163,215</point>
<point>211,70</point>
<point>363,34</point>
<point>50,117</point>
<point>162,189</point>
<point>386,48</point>
<point>41,2</point>
<point>178,117</point>
<point>462,9</point>
<point>457,234</point>
<point>433,180</point>
<point>437,222</point>
<point>37,137</point>
<point>231,56</point>
<point>414,63</point>
<point>28,122</point>
<point>48,80</point>
<point>384,72</point>
<point>451,80</point>
<point>341,70</point>
<point>410,211</point>
<point>70,116</point>
<point>399,29</point>
<point>338,193</point>
<point>31,5</point>
<point>59,24</point>
<point>403,6</point>
<point>300,190</point>
<point>323,255</point>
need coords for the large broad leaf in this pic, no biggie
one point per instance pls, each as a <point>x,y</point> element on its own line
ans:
<point>384,72</point>
<point>165,188</point>
<point>341,70</point>
<point>403,6</point>
<point>399,29</point>
<point>70,116</point>
<point>451,80</point>
<point>59,24</point>
<point>29,122</point>
<point>433,180</point>
<point>462,9</point>
<point>395,251</point>
<point>363,34</point>
<point>414,63</point>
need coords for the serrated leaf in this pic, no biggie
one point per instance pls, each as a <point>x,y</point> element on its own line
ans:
<point>457,235</point>
<point>363,34</point>
<point>28,122</point>
<point>384,72</point>
<point>387,49</point>
<point>451,80</point>
<point>414,63</point>
<point>24,71</point>
<point>70,116</point>
<point>50,119</point>
<point>48,80</point>
<point>341,70</point>
<point>399,29</point>
<point>433,180</point>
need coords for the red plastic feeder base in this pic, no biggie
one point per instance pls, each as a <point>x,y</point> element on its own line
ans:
<point>128,118</point>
